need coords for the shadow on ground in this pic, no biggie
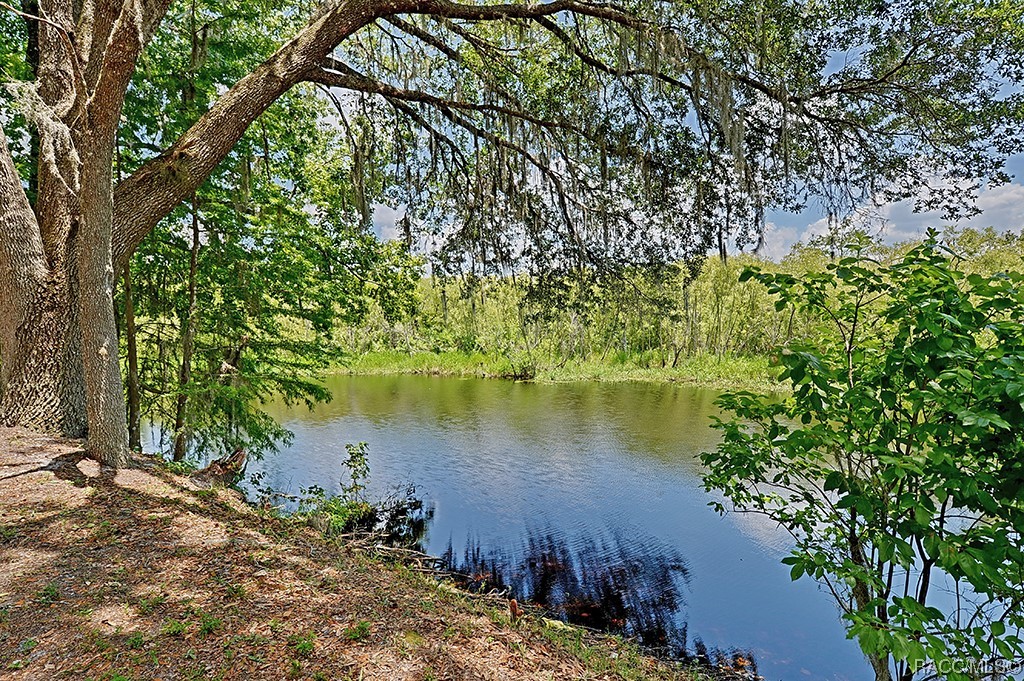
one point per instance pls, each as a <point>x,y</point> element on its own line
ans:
<point>138,574</point>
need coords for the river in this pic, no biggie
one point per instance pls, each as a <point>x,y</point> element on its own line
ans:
<point>579,493</point>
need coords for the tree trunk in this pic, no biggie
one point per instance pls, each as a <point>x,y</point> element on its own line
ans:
<point>104,403</point>
<point>863,596</point>
<point>188,336</point>
<point>880,663</point>
<point>41,383</point>
<point>59,368</point>
<point>131,347</point>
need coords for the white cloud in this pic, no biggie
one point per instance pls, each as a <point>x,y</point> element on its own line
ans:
<point>779,239</point>
<point>1001,207</point>
<point>385,221</point>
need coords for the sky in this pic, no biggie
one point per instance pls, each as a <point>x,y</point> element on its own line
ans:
<point>385,221</point>
<point>1002,208</point>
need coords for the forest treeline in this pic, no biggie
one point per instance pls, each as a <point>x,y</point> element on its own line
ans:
<point>660,318</point>
<point>265,327</point>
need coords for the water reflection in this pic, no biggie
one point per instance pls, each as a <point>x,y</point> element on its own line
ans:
<point>600,480</point>
<point>529,412</point>
<point>606,584</point>
<point>623,586</point>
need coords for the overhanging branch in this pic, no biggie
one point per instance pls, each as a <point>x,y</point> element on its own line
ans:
<point>341,75</point>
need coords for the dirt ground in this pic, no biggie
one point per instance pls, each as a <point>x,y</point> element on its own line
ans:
<point>140,574</point>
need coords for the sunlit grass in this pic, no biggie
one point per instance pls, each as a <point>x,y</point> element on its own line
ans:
<point>711,371</point>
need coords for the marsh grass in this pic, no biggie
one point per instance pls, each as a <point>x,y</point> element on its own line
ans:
<point>710,371</point>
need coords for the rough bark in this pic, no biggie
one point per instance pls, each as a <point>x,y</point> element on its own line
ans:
<point>52,364</point>
<point>44,387</point>
<point>106,72</point>
<point>55,262</point>
<point>40,381</point>
<point>22,265</point>
<point>226,470</point>
<point>108,430</point>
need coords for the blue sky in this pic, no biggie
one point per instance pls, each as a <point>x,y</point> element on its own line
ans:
<point>1002,208</point>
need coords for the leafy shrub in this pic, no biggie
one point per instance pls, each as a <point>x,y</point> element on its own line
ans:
<point>173,627</point>
<point>898,462</point>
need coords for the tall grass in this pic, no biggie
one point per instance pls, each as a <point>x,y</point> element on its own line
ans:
<point>664,324</point>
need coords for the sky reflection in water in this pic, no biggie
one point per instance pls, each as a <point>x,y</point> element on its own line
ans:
<point>602,476</point>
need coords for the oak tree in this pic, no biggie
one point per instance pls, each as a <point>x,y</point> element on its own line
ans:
<point>557,132</point>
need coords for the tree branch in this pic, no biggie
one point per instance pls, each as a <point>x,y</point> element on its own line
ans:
<point>472,12</point>
<point>598,65</point>
<point>129,34</point>
<point>426,37</point>
<point>152,192</point>
<point>343,76</point>
<point>158,186</point>
<point>149,194</point>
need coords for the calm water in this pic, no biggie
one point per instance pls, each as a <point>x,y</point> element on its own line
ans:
<point>579,491</point>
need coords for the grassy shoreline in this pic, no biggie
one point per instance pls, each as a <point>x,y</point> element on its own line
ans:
<point>706,371</point>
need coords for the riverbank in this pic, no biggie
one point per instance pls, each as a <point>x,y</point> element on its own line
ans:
<point>141,574</point>
<point>707,371</point>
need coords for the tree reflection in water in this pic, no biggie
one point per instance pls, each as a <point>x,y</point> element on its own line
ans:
<point>625,587</point>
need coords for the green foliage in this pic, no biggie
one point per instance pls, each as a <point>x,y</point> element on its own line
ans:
<point>336,514</point>
<point>173,627</point>
<point>303,644</point>
<point>235,591</point>
<point>398,518</point>
<point>645,319</point>
<point>181,467</point>
<point>282,247</point>
<point>48,595</point>
<point>282,252</point>
<point>358,465</point>
<point>987,251</point>
<point>13,65</point>
<point>658,324</point>
<point>208,624</point>
<point>896,464</point>
<point>741,108</point>
<point>357,631</point>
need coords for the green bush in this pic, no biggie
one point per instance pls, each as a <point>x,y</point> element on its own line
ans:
<point>898,460</point>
